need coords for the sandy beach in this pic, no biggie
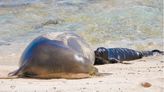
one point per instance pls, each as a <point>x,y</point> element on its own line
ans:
<point>128,77</point>
<point>134,24</point>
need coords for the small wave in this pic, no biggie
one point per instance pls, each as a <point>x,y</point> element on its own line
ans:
<point>17,3</point>
<point>4,43</point>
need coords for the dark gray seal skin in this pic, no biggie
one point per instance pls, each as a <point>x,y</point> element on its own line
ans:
<point>118,55</point>
<point>57,55</point>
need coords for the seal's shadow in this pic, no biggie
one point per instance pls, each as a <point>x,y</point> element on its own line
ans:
<point>103,74</point>
<point>126,63</point>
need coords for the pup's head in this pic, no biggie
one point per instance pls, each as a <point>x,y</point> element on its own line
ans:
<point>101,55</point>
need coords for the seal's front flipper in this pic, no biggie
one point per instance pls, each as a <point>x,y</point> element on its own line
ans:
<point>113,60</point>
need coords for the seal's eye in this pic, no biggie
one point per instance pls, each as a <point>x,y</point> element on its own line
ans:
<point>101,50</point>
<point>97,53</point>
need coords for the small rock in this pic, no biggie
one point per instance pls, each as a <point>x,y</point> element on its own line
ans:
<point>146,84</point>
<point>87,83</point>
<point>54,87</point>
<point>162,61</point>
<point>12,87</point>
<point>100,81</point>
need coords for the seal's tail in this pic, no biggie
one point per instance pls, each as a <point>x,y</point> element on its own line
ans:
<point>12,75</point>
<point>152,53</point>
<point>18,71</point>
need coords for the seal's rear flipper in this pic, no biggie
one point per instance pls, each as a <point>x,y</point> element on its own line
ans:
<point>152,53</point>
<point>14,73</point>
<point>157,52</point>
<point>11,75</point>
<point>18,71</point>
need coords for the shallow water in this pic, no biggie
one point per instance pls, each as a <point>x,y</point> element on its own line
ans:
<point>133,24</point>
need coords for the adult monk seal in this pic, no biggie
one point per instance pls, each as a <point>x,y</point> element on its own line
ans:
<point>57,55</point>
<point>118,55</point>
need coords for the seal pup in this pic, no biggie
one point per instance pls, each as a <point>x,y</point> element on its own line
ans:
<point>118,55</point>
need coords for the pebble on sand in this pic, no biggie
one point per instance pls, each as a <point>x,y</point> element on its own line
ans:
<point>146,84</point>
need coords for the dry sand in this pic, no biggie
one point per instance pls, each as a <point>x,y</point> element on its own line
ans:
<point>114,78</point>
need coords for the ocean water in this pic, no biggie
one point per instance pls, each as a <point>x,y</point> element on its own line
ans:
<point>136,24</point>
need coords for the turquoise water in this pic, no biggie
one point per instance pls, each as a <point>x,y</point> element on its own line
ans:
<point>111,23</point>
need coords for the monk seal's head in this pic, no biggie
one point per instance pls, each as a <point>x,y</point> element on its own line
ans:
<point>101,56</point>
